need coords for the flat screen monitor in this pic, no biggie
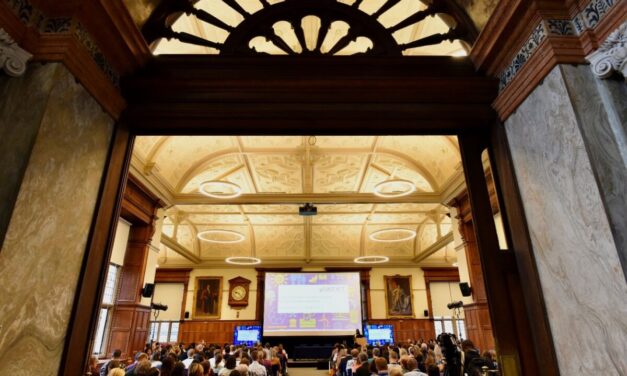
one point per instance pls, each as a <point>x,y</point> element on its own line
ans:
<point>379,334</point>
<point>247,335</point>
<point>312,304</point>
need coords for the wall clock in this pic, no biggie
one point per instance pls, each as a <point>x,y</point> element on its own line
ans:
<point>239,289</point>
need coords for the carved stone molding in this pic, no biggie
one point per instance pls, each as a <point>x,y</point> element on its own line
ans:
<point>13,58</point>
<point>612,55</point>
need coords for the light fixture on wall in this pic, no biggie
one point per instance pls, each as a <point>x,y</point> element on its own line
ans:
<point>221,236</point>
<point>371,259</point>
<point>455,264</point>
<point>392,235</point>
<point>394,188</point>
<point>243,260</point>
<point>217,188</point>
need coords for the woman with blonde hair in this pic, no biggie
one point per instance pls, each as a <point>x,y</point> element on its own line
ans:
<point>116,372</point>
<point>195,369</point>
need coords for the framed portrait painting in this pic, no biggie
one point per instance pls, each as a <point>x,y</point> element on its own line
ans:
<point>207,298</point>
<point>398,296</point>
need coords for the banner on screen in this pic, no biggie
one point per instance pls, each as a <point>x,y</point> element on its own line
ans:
<point>311,304</point>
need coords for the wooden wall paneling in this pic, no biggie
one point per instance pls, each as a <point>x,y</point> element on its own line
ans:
<point>406,329</point>
<point>218,331</point>
<point>92,278</point>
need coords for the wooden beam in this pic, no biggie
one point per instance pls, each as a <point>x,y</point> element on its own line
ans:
<point>180,249</point>
<point>301,198</point>
<point>433,248</point>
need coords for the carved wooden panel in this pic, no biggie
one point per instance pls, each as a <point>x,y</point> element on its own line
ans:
<point>405,329</point>
<point>210,331</point>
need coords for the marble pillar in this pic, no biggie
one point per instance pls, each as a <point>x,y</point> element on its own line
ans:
<point>583,283</point>
<point>22,105</point>
<point>45,242</point>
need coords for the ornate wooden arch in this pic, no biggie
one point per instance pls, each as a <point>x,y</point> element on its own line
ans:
<point>260,24</point>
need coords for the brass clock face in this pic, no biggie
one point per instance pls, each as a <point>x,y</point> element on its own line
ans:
<point>238,293</point>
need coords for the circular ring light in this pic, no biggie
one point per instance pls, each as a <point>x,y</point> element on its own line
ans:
<point>243,260</point>
<point>371,260</point>
<point>406,234</point>
<point>206,236</point>
<point>205,189</point>
<point>379,188</point>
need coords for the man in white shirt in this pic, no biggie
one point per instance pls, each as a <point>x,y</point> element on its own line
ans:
<point>351,362</point>
<point>256,368</point>
<point>190,358</point>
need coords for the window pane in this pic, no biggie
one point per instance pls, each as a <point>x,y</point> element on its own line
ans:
<point>163,332</point>
<point>153,331</point>
<point>174,332</point>
<point>112,277</point>
<point>461,329</point>
<point>448,326</point>
<point>438,327</point>
<point>100,329</point>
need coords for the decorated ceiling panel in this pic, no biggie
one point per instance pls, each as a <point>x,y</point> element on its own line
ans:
<point>274,176</point>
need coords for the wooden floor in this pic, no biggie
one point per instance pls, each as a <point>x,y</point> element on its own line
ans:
<point>306,372</point>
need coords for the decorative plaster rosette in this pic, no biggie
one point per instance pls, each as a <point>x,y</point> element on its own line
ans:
<point>13,59</point>
<point>612,55</point>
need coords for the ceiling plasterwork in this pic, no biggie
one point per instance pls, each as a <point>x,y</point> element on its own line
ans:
<point>340,172</point>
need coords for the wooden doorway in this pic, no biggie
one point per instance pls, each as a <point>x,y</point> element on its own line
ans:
<point>202,95</point>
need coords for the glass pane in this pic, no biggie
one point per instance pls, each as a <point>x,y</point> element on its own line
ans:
<point>174,332</point>
<point>163,332</point>
<point>448,326</point>
<point>112,277</point>
<point>438,327</point>
<point>461,329</point>
<point>153,331</point>
<point>100,330</point>
<point>496,210</point>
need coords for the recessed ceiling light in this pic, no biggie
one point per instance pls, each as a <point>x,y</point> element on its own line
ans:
<point>216,236</point>
<point>406,187</point>
<point>243,260</point>
<point>392,235</point>
<point>371,259</point>
<point>220,189</point>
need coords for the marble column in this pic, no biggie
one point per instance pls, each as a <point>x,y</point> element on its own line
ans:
<point>17,113</point>
<point>46,238</point>
<point>583,283</point>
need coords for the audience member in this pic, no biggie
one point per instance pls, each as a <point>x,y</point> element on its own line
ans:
<point>412,368</point>
<point>105,367</point>
<point>195,369</point>
<point>362,366</point>
<point>382,366</point>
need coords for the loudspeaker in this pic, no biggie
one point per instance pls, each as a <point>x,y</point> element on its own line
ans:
<point>426,313</point>
<point>465,289</point>
<point>186,314</point>
<point>148,290</point>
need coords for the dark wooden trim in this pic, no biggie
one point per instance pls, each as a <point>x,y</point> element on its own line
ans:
<point>499,269</point>
<point>520,243</point>
<point>92,277</point>
<point>219,95</point>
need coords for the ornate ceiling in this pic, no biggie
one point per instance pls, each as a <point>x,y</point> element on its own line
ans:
<point>278,174</point>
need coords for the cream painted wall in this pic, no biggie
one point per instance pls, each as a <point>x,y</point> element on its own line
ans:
<point>153,254</point>
<point>170,294</point>
<point>377,290</point>
<point>120,242</point>
<point>443,293</point>
<point>227,313</point>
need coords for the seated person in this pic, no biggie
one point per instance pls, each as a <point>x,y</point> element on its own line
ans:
<point>412,368</point>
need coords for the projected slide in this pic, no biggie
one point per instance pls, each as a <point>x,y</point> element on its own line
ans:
<point>379,334</point>
<point>311,304</point>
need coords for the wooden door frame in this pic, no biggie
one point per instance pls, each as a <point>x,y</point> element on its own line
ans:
<point>205,95</point>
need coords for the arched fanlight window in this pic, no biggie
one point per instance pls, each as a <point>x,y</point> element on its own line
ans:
<point>311,27</point>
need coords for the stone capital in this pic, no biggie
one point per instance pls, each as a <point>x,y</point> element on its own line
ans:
<point>13,58</point>
<point>612,55</point>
